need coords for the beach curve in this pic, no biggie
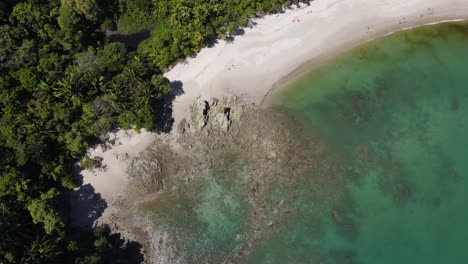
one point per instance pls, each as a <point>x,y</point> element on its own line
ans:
<point>276,49</point>
<point>282,46</point>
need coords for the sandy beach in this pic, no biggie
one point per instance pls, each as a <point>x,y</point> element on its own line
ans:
<point>110,179</point>
<point>275,49</point>
<point>280,46</point>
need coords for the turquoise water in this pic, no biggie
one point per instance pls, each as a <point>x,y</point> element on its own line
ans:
<point>388,175</point>
<point>205,217</point>
<point>396,113</point>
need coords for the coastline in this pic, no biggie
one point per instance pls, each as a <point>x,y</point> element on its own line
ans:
<point>310,65</point>
<point>281,47</point>
<point>268,56</point>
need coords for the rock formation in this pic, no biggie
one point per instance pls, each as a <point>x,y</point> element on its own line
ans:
<point>259,150</point>
<point>213,115</point>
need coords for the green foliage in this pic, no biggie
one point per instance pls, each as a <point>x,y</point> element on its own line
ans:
<point>23,242</point>
<point>88,65</point>
<point>113,56</point>
<point>43,211</point>
<point>69,23</point>
<point>88,8</point>
<point>42,249</point>
<point>69,182</point>
<point>27,78</point>
<point>135,16</point>
<point>86,163</point>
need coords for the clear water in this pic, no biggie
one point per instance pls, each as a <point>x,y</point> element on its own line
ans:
<point>205,217</point>
<point>396,111</point>
<point>393,186</point>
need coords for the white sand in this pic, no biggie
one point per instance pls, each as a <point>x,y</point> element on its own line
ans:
<point>111,180</point>
<point>280,44</point>
<point>268,53</point>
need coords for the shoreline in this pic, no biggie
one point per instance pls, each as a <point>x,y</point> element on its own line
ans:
<point>311,65</point>
<point>267,57</point>
<point>281,47</point>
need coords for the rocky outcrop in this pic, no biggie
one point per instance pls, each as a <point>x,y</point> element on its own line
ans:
<point>213,115</point>
<point>227,142</point>
<point>147,172</point>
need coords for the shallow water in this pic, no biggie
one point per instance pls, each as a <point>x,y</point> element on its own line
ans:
<point>205,216</point>
<point>396,112</point>
<point>386,180</point>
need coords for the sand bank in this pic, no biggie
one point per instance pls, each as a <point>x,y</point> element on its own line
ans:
<point>275,49</point>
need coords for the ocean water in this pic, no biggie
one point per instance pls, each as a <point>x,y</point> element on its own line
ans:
<point>395,112</point>
<point>389,185</point>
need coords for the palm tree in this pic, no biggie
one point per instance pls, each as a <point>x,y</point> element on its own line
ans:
<point>41,249</point>
<point>147,93</point>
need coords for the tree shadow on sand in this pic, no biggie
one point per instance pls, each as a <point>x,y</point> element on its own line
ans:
<point>86,206</point>
<point>163,107</point>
